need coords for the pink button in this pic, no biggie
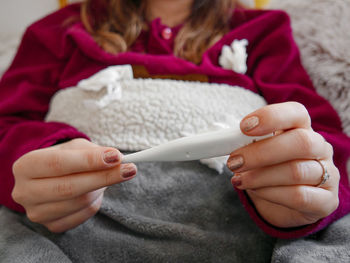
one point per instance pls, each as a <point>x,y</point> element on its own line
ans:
<point>167,33</point>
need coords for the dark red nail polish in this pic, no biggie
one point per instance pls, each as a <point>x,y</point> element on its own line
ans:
<point>128,171</point>
<point>236,181</point>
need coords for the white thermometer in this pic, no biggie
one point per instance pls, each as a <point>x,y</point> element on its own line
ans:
<point>196,147</point>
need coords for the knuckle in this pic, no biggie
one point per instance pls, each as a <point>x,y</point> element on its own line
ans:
<point>336,174</point>
<point>305,141</point>
<point>54,162</point>
<point>301,197</point>
<point>64,188</point>
<point>17,196</point>
<point>305,113</point>
<point>93,159</point>
<point>34,216</point>
<point>75,142</point>
<point>331,207</point>
<point>298,171</point>
<point>329,149</point>
<point>335,204</point>
<point>69,144</point>
<point>297,104</point>
<point>16,168</point>
<point>78,141</point>
<point>302,108</point>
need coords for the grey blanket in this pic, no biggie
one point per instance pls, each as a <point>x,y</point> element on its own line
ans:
<point>171,212</point>
<point>186,212</point>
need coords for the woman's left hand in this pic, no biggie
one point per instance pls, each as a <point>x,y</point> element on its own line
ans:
<point>283,174</point>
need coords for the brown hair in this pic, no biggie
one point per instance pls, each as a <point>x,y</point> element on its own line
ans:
<point>116,24</point>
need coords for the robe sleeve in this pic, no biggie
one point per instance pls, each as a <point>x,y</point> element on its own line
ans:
<point>25,92</point>
<point>275,65</point>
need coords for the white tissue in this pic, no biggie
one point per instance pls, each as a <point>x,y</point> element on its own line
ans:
<point>216,163</point>
<point>108,78</point>
<point>234,57</point>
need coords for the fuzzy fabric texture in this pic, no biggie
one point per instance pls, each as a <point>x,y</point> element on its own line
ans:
<point>329,245</point>
<point>149,112</point>
<point>321,30</point>
<point>114,109</point>
<point>170,212</point>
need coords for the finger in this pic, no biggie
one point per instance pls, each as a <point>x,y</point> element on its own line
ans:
<point>299,172</point>
<point>72,221</point>
<point>281,216</point>
<point>291,145</point>
<point>305,199</point>
<point>71,186</point>
<point>53,211</point>
<point>75,144</point>
<point>276,117</point>
<point>53,163</point>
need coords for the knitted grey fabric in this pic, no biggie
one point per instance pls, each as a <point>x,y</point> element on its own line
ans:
<point>171,212</point>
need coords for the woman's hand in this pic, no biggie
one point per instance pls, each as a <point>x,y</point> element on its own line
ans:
<point>62,186</point>
<point>282,174</point>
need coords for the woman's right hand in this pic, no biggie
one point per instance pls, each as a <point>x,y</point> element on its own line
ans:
<point>62,186</point>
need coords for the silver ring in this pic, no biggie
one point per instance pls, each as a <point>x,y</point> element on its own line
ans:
<point>325,174</point>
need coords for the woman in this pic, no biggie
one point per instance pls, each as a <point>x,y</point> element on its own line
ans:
<point>288,183</point>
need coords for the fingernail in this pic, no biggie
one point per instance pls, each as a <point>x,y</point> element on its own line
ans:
<point>250,123</point>
<point>128,170</point>
<point>235,162</point>
<point>236,180</point>
<point>111,157</point>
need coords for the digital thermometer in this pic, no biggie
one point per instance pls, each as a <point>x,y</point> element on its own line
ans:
<point>201,146</point>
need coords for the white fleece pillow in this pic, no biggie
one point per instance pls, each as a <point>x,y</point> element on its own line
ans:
<point>135,114</point>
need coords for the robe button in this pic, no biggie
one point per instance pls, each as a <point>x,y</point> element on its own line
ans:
<point>167,33</point>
